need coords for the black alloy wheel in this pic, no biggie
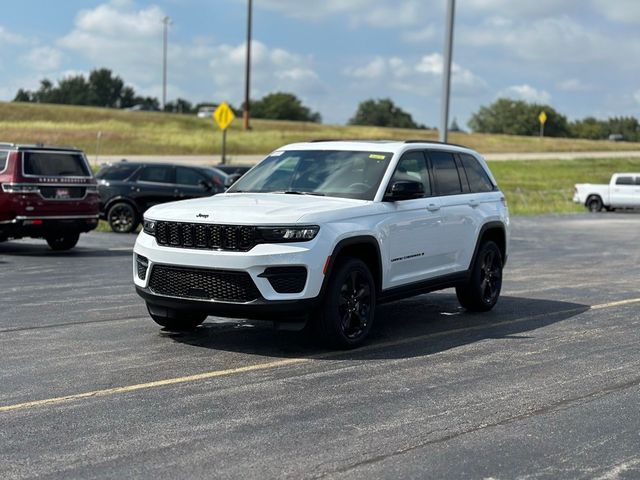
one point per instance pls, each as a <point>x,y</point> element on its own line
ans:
<point>482,291</point>
<point>123,218</point>
<point>349,306</point>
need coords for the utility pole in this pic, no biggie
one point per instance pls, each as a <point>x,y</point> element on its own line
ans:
<point>446,71</point>
<point>166,21</point>
<point>247,72</point>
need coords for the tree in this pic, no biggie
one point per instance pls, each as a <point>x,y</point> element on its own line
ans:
<point>180,105</point>
<point>517,117</point>
<point>106,90</point>
<point>283,106</point>
<point>589,127</point>
<point>382,113</point>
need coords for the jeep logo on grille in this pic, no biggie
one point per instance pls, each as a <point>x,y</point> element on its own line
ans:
<point>202,215</point>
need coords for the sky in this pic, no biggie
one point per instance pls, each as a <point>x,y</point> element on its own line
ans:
<point>580,56</point>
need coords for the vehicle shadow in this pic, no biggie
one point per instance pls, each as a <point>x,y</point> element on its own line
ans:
<point>416,327</point>
<point>35,250</point>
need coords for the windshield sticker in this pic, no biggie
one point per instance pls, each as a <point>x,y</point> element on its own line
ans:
<point>377,156</point>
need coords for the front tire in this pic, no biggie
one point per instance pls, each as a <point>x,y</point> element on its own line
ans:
<point>481,292</point>
<point>179,322</point>
<point>62,241</point>
<point>122,218</point>
<point>349,305</point>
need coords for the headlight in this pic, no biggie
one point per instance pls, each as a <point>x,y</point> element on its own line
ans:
<point>287,234</point>
<point>149,227</point>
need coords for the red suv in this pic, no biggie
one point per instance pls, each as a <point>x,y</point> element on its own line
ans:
<point>46,192</point>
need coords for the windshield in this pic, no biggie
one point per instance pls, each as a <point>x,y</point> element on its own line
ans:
<point>334,173</point>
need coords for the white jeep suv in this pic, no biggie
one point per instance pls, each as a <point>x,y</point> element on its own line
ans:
<point>324,231</point>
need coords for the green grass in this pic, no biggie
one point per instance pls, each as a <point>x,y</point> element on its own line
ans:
<point>145,133</point>
<point>546,186</point>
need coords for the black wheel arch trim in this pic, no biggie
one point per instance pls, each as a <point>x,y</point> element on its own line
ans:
<point>349,242</point>
<point>494,225</point>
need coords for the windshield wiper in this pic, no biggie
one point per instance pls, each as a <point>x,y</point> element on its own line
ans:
<point>297,192</point>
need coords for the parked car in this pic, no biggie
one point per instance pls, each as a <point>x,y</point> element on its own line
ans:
<point>128,189</point>
<point>206,112</point>
<point>47,192</point>
<point>325,231</point>
<point>622,191</point>
<point>235,172</point>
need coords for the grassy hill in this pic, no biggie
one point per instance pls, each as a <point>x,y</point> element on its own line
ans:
<point>131,133</point>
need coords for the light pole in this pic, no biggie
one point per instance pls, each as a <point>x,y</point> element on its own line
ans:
<point>166,21</point>
<point>247,72</point>
<point>446,72</point>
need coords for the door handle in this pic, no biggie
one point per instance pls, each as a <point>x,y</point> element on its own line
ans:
<point>474,203</point>
<point>433,207</point>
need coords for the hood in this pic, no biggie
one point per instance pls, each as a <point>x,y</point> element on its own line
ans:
<point>250,208</point>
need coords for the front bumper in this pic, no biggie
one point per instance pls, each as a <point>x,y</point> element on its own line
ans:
<point>309,255</point>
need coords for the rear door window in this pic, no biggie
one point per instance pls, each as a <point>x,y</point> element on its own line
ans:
<point>117,172</point>
<point>157,174</point>
<point>624,181</point>
<point>55,164</point>
<point>479,181</point>
<point>4,154</point>
<point>189,176</point>
<point>445,172</point>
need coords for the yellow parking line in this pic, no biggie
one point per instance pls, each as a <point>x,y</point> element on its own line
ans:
<point>291,361</point>
<point>158,383</point>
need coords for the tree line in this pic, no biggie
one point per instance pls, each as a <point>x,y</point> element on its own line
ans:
<point>504,116</point>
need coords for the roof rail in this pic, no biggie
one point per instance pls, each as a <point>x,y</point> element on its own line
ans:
<point>366,140</point>
<point>7,144</point>
<point>434,142</point>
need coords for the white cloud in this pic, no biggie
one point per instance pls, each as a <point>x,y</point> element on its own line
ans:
<point>625,11</point>
<point>422,77</point>
<point>522,9</point>
<point>574,85</point>
<point>527,93</point>
<point>420,36</point>
<point>377,13</point>
<point>10,38</point>
<point>636,96</point>
<point>116,35</point>
<point>272,69</point>
<point>43,59</point>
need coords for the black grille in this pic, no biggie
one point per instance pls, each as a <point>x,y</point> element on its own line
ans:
<point>286,279</point>
<point>201,284</point>
<point>199,235</point>
<point>142,263</point>
<point>62,192</point>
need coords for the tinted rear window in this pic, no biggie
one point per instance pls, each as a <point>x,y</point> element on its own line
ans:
<point>55,164</point>
<point>446,173</point>
<point>478,179</point>
<point>117,172</point>
<point>3,159</point>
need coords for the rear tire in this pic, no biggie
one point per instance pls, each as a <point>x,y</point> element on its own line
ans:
<point>482,291</point>
<point>122,218</point>
<point>62,241</point>
<point>594,204</point>
<point>180,322</point>
<point>349,305</point>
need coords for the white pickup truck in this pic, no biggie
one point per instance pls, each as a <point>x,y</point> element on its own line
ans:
<point>623,191</point>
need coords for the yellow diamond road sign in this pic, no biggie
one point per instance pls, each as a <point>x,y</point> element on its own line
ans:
<point>542,117</point>
<point>223,115</point>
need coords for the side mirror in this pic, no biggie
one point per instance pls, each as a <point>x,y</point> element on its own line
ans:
<point>404,190</point>
<point>231,179</point>
<point>206,185</point>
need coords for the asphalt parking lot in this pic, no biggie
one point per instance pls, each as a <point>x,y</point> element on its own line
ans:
<point>547,385</point>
